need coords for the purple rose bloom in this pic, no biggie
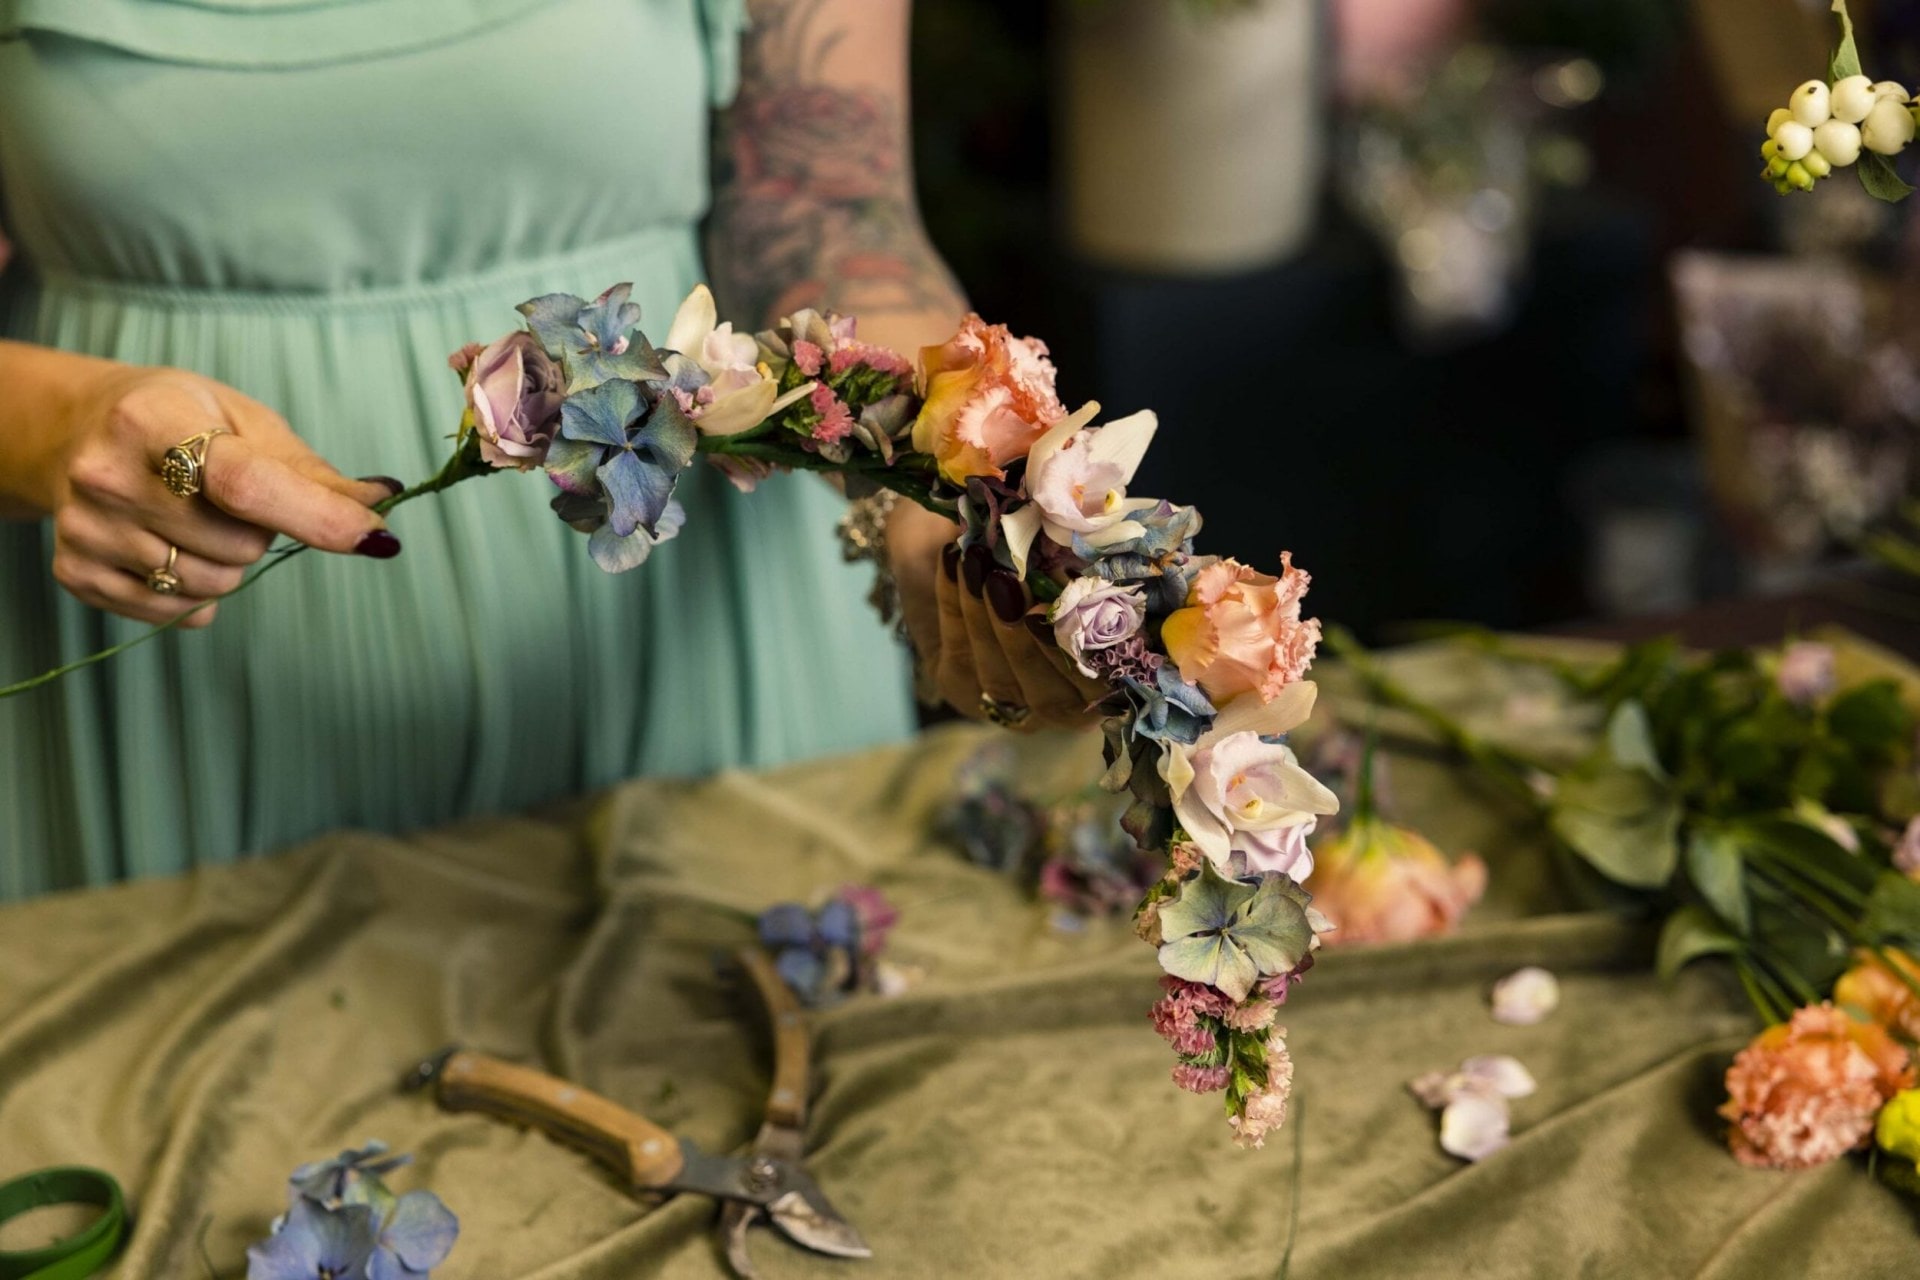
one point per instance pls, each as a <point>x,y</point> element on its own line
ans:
<point>1093,614</point>
<point>515,391</point>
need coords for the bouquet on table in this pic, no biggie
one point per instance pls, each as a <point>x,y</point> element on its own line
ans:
<point>1203,658</point>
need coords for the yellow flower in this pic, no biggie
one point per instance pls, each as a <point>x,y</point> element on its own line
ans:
<point>1898,1129</point>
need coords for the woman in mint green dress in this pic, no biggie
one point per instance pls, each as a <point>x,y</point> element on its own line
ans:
<point>278,219</point>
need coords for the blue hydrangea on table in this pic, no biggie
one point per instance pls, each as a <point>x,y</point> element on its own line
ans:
<point>342,1223</point>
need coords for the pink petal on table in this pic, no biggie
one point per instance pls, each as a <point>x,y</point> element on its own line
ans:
<point>1474,1125</point>
<point>1500,1073</point>
<point>1525,996</point>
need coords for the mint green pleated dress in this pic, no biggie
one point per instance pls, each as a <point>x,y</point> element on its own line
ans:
<point>315,201</point>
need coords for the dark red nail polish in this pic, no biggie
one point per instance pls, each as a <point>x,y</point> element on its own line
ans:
<point>395,487</point>
<point>950,562</point>
<point>379,544</point>
<point>974,567</point>
<point>1006,595</point>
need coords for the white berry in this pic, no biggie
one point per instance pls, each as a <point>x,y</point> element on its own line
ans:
<point>1811,104</point>
<point>1888,129</point>
<point>1892,89</point>
<point>1794,140</point>
<point>1838,143</point>
<point>1853,98</point>
<point>1780,116</point>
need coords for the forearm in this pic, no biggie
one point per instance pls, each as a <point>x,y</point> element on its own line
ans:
<point>813,194</point>
<point>42,387</point>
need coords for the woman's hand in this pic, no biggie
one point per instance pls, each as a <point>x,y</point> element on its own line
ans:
<point>115,520</point>
<point>978,632</point>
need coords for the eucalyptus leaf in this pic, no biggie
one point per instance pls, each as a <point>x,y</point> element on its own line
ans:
<point>1623,821</point>
<point>1630,739</point>
<point>1689,934</point>
<point>1715,867</point>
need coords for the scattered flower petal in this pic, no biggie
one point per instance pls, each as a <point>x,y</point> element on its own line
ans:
<point>1525,997</point>
<point>1474,1125</point>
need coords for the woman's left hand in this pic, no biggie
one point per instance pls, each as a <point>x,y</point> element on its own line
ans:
<point>977,630</point>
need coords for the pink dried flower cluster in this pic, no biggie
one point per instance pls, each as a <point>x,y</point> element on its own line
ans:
<point>1809,1090</point>
<point>1196,1079</point>
<point>836,421</point>
<point>1177,1017</point>
<point>850,353</point>
<point>1266,1108</point>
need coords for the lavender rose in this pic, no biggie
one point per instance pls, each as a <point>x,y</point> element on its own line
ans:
<point>514,391</point>
<point>1093,614</point>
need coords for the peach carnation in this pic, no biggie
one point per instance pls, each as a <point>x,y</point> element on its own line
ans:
<point>989,396</point>
<point>1241,631</point>
<point>1381,883</point>
<point>1872,989</point>
<point>1809,1089</point>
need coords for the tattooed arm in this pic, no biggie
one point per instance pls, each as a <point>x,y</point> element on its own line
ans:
<point>813,201</point>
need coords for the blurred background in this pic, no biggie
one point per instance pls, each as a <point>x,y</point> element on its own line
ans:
<point>1477,306</point>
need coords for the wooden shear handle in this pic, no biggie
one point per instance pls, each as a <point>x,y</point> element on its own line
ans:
<point>792,1047</point>
<point>635,1148</point>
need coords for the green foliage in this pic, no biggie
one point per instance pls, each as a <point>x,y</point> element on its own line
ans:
<point>1689,934</point>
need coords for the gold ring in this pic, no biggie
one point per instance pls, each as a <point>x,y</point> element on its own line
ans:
<point>183,467</point>
<point>163,581</point>
<point>1008,715</point>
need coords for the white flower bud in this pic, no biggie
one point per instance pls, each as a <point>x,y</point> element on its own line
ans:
<point>1794,140</point>
<point>1811,104</point>
<point>1888,129</point>
<point>1838,143</point>
<point>1779,117</point>
<point>1853,98</point>
<point>1816,164</point>
<point>1892,89</point>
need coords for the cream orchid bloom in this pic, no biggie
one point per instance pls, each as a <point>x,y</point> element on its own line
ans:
<point>744,391</point>
<point>1077,481</point>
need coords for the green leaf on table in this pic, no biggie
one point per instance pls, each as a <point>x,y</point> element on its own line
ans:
<point>1871,717</point>
<point>1893,909</point>
<point>1624,821</point>
<point>1846,55</point>
<point>1689,934</point>
<point>1881,180</point>
<point>1715,867</point>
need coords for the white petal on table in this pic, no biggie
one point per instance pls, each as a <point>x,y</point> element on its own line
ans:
<point>1474,1125</point>
<point>1525,996</point>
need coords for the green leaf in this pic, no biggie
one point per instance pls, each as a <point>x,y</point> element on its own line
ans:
<point>1272,927</point>
<point>1881,180</point>
<point>1689,934</point>
<point>1209,958</point>
<point>1871,717</point>
<point>1893,909</point>
<point>1846,56</point>
<point>1630,739</point>
<point>1623,821</point>
<point>1714,866</point>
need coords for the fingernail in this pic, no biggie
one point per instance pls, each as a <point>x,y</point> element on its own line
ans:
<point>950,562</point>
<point>975,566</point>
<point>1006,595</point>
<point>394,487</point>
<point>379,544</point>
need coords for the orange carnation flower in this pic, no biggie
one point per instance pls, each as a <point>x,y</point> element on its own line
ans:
<point>1809,1089</point>
<point>1876,992</point>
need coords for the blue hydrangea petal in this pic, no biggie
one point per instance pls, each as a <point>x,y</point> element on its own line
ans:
<point>421,1231</point>
<point>554,319</point>
<point>786,924</point>
<point>839,925</point>
<point>573,465</point>
<point>602,414</point>
<point>669,434</point>
<point>803,971</point>
<point>637,491</point>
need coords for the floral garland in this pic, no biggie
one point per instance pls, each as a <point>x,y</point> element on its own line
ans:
<point>1204,658</point>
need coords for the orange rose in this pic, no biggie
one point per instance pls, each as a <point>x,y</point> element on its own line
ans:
<point>1876,992</point>
<point>1381,883</point>
<point>1241,631</point>
<point>1810,1089</point>
<point>989,396</point>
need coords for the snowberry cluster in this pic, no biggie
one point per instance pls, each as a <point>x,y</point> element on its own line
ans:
<point>1822,129</point>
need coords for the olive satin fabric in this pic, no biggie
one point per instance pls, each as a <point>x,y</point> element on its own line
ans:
<point>1008,1116</point>
<point>316,202</point>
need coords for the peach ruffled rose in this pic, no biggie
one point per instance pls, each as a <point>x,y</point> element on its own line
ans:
<point>1241,631</point>
<point>1872,989</point>
<point>1809,1090</point>
<point>1381,883</point>
<point>989,396</point>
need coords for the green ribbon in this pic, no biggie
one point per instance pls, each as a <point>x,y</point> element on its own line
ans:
<point>79,1255</point>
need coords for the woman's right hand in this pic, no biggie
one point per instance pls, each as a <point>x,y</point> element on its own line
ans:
<point>115,520</point>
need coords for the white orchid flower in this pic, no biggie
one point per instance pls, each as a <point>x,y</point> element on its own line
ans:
<point>744,391</point>
<point>1077,481</point>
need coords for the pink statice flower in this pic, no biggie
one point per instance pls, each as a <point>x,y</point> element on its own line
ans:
<point>853,353</point>
<point>1252,1015</point>
<point>1265,1110</point>
<point>1197,1079</point>
<point>808,356</point>
<point>876,913</point>
<point>836,422</point>
<point>1809,1089</point>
